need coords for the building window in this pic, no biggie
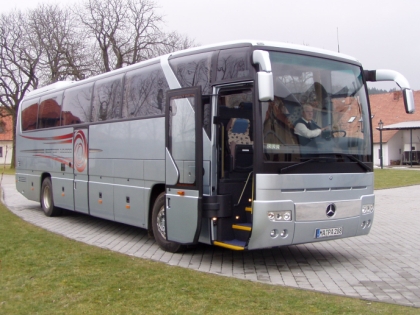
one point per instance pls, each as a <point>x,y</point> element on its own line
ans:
<point>1,151</point>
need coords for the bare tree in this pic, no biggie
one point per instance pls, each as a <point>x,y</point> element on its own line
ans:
<point>51,43</point>
<point>127,31</point>
<point>64,49</point>
<point>171,42</point>
<point>19,58</point>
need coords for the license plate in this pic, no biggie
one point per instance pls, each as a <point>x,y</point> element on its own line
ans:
<point>329,232</point>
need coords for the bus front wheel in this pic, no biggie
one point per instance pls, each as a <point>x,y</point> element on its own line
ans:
<point>47,200</point>
<point>159,226</point>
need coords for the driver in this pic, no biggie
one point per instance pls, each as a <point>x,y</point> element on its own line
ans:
<point>306,129</point>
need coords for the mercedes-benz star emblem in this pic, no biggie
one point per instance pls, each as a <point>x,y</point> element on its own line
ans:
<point>330,210</point>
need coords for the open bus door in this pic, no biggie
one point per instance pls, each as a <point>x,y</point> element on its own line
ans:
<point>184,165</point>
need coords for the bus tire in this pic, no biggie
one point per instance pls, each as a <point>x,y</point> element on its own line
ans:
<point>47,200</point>
<point>159,226</point>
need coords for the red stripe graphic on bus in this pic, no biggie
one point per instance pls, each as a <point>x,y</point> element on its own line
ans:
<point>66,136</point>
<point>80,151</point>
<point>55,158</point>
<point>60,142</point>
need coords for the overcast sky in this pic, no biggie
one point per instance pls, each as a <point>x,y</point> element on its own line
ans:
<point>381,34</point>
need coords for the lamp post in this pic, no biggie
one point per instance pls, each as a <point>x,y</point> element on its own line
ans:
<point>381,125</point>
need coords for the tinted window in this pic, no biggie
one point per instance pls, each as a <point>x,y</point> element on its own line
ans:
<point>233,64</point>
<point>50,110</point>
<point>76,105</point>
<point>107,99</point>
<point>29,114</point>
<point>193,70</point>
<point>144,92</point>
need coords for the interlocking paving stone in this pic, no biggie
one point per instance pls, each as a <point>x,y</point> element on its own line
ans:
<point>382,266</point>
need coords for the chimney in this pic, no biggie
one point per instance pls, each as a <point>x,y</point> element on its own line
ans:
<point>397,95</point>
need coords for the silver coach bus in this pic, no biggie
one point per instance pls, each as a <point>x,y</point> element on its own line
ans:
<point>204,145</point>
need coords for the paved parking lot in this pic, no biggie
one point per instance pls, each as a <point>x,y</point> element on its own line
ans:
<point>382,266</point>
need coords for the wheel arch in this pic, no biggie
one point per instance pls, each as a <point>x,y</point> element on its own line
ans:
<point>43,176</point>
<point>156,190</point>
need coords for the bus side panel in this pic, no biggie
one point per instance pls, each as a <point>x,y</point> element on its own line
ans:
<point>81,200</point>
<point>126,159</point>
<point>63,190</point>
<point>129,192</point>
<point>39,152</point>
<point>28,184</point>
<point>101,189</point>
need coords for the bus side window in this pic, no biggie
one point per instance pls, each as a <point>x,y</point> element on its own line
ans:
<point>193,70</point>
<point>107,99</point>
<point>50,111</point>
<point>29,115</point>
<point>144,92</point>
<point>207,119</point>
<point>76,105</point>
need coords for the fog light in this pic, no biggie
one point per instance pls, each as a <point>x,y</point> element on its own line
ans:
<point>274,233</point>
<point>283,233</point>
<point>363,224</point>
<point>369,223</point>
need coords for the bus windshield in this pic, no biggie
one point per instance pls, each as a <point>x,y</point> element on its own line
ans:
<point>320,108</point>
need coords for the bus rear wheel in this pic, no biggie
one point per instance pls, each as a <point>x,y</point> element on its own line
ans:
<point>159,226</point>
<point>47,200</point>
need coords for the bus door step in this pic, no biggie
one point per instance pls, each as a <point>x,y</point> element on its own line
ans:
<point>242,231</point>
<point>231,244</point>
<point>248,213</point>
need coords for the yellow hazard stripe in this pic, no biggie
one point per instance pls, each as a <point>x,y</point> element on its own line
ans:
<point>234,247</point>
<point>241,227</point>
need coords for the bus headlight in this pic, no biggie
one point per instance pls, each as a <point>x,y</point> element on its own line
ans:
<point>276,216</point>
<point>367,209</point>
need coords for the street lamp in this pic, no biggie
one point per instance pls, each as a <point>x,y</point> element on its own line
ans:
<point>381,125</point>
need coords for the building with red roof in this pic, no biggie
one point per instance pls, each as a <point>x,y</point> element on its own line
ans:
<point>400,130</point>
<point>6,139</point>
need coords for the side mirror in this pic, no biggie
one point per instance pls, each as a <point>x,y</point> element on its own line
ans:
<point>391,75</point>
<point>265,76</point>
<point>265,86</point>
<point>408,101</point>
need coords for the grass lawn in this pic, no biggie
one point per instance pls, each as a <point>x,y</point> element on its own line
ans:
<point>44,273</point>
<point>392,178</point>
<point>6,170</point>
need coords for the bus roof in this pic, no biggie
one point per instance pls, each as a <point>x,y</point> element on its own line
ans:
<point>268,44</point>
<point>224,45</point>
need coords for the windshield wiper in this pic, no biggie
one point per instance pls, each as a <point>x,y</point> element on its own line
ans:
<point>362,165</point>
<point>312,159</point>
<point>327,159</point>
